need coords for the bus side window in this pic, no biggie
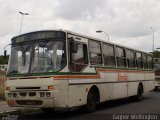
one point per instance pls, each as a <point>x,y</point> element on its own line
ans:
<point>150,61</point>
<point>95,53</point>
<point>120,57</point>
<point>78,58</point>
<point>108,53</point>
<point>139,61</point>
<point>130,58</point>
<point>145,63</point>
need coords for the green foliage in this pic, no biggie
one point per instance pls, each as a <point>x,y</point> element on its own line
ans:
<point>2,61</point>
<point>156,54</point>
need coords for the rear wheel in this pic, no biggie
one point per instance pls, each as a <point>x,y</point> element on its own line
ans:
<point>139,95</point>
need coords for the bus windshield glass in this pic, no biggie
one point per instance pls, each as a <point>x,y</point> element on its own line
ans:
<point>37,57</point>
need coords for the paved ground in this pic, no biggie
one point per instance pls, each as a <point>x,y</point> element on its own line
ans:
<point>4,107</point>
<point>123,109</point>
<point>13,113</point>
<point>150,106</point>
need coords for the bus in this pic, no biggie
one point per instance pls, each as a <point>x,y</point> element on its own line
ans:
<point>60,69</point>
<point>157,72</point>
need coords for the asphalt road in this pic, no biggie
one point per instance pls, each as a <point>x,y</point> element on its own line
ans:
<point>123,109</point>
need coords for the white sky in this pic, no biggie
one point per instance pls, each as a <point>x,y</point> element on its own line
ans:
<point>127,22</point>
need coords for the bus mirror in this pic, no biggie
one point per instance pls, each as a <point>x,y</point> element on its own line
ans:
<point>5,54</point>
<point>74,47</point>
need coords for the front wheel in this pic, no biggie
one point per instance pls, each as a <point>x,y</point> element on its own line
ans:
<point>48,110</point>
<point>91,101</point>
<point>156,88</point>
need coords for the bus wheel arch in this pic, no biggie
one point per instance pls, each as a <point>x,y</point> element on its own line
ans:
<point>93,98</point>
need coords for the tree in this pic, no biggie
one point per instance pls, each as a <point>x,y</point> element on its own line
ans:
<point>4,61</point>
<point>156,54</point>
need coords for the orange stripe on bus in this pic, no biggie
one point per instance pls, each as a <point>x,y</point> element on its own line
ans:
<point>128,71</point>
<point>77,76</point>
<point>98,74</point>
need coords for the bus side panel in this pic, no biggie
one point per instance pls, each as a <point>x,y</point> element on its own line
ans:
<point>104,91</point>
<point>110,77</point>
<point>132,88</point>
<point>149,76</point>
<point>60,93</point>
<point>133,83</point>
<point>149,85</point>
<point>137,77</point>
<point>116,89</point>
<point>109,91</point>
<point>119,90</point>
<point>78,95</point>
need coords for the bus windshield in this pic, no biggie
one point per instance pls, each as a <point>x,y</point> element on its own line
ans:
<point>37,57</point>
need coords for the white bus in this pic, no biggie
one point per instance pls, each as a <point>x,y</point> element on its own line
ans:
<point>157,72</point>
<point>62,69</point>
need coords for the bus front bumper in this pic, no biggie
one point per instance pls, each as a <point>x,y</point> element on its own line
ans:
<point>35,103</point>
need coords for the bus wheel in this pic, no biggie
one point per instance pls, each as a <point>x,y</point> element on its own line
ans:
<point>156,88</point>
<point>91,101</point>
<point>139,95</point>
<point>48,110</point>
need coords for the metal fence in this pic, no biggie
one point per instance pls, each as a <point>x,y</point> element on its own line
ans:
<point>2,84</point>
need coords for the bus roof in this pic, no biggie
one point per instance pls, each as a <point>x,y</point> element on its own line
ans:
<point>92,38</point>
<point>83,36</point>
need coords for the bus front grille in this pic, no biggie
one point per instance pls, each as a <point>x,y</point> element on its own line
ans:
<point>23,94</point>
<point>29,102</point>
<point>31,94</point>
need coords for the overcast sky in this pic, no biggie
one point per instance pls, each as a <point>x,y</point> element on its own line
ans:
<point>127,22</point>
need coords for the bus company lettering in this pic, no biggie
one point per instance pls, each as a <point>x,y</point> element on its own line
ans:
<point>122,77</point>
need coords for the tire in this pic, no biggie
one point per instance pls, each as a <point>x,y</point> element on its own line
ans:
<point>91,102</point>
<point>139,95</point>
<point>156,88</point>
<point>48,110</point>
